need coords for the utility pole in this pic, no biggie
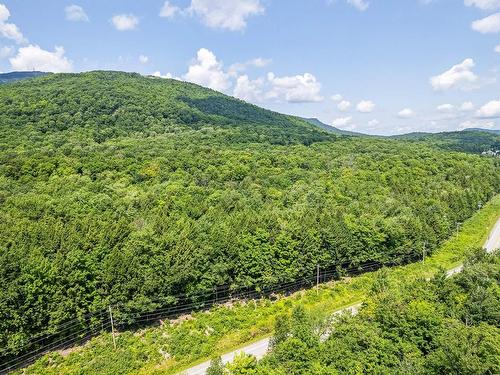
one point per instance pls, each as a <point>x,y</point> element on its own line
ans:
<point>423,253</point>
<point>317,279</point>
<point>112,327</point>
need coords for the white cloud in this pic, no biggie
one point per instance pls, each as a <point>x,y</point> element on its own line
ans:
<point>361,5</point>
<point>295,89</point>
<point>483,4</point>
<point>467,106</point>
<point>124,22</point>
<point>488,25</point>
<point>143,59</point>
<point>476,124</point>
<point>6,52</point>
<point>249,90</point>
<point>159,75</point>
<point>75,13</point>
<point>459,76</point>
<point>445,108</point>
<point>344,105</point>
<point>4,13</point>
<point>33,57</point>
<point>9,30</point>
<point>365,106</point>
<point>342,121</point>
<point>168,10</point>
<point>497,49</point>
<point>489,110</point>
<point>258,62</point>
<point>336,97</point>
<point>406,113</point>
<point>226,14</point>
<point>207,71</point>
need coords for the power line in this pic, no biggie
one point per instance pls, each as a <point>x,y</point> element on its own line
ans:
<point>176,308</point>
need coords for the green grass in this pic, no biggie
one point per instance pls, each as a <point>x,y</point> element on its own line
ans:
<point>203,335</point>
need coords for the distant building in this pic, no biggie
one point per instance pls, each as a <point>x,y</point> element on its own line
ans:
<point>495,153</point>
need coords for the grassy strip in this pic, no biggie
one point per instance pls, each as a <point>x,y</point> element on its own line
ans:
<point>174,347</point>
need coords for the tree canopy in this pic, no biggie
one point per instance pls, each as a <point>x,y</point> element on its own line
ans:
<point>117,188</point>
<point>422,327</point>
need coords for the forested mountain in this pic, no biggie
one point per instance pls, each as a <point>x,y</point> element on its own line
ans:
<point>473,141</point>
<point>18,76</point>
<point>329,128</point>
<point>494,131</point>
<point>121,188</point>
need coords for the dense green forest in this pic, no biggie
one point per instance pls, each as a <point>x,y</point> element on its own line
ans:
<point>474,141</point>
<point>442,326</point>
<point>117,188</point>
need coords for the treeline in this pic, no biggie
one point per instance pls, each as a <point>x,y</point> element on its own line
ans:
<point>442,326</point>
<point>116,188</point>
<point>472,141</point>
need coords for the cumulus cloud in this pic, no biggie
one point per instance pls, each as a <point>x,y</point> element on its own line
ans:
<point>406,113</point>
<point>445,108</point>
<point>336,97</point>
<point>459,76</point>
<point>168,10</point>
<point>489,110</point>
<point>342,121</point>
<point>497,49</point>
<point>33,57</point>
<point>373,123</point>
<point>124,22</point>
<point>295,89</point>
<point>483,4</point>
<point>75,13</point>
<point>365,106</point>
<point>488,25</point>
<point>207,71</point>
<point>225,14</point>
<point>10,30</point>
<point>143,59</point>
<point>249,90</point>
<point>361,5</point>
<point>344,105</point>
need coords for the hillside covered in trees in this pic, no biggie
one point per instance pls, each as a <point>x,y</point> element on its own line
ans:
<point>441,326</point>
<point>117,188</point>
<point>474,141</point>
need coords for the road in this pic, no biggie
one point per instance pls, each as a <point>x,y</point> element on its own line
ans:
<point>493,241</point>
<point>454,270</point>
<point>259,349</point>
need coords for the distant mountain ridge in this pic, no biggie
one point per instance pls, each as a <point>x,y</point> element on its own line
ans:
<point>494,131</point>
<point>472,140</point>
<point>409,136</point>
<point>331,129</point>
<point>18,76</point>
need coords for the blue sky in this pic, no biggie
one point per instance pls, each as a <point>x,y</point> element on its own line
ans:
<point>375,66</point>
